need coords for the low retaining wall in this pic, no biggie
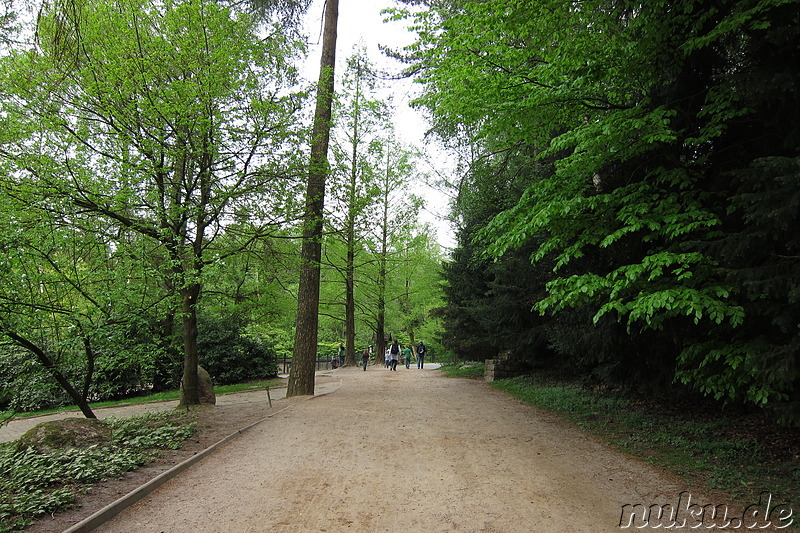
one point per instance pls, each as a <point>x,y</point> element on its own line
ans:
<point>501,369</point>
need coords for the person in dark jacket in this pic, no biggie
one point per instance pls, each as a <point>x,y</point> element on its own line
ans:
<point>365,358</point>
<point>394,355</point>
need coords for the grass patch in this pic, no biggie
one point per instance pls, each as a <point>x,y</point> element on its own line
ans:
<point>33,483</point>
<point>464,370</point>
<point>704,450</point>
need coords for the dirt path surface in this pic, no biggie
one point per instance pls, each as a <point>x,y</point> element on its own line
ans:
<point>404,451</point>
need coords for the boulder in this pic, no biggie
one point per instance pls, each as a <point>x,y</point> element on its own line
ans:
<point>64,434</point>
<point>205,386</point>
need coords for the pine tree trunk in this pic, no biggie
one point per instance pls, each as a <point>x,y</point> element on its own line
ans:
<point>380,323</point>
<point>350,299</point>
<point>350,303</point>
<point>410,330</point>
<point>301,376</point>
<point>380,330</point>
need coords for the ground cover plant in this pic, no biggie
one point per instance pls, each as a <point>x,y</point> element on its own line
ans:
<point>464,370</point>
<point>34,483</point>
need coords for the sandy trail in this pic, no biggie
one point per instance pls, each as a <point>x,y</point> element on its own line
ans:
<point>404,451</point>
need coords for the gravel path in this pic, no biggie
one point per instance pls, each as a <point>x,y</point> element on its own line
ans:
<point>404,451</point>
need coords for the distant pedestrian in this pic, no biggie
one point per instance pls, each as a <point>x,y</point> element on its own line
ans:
<point>365,358</point>
<point>394,354</point>
<point>407,355</point>
<point>340,354</point>
<point>420,354</point>
<point>387,359</point>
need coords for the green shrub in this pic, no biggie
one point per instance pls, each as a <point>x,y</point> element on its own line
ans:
<point>24,385</point>
<point>230,356</point>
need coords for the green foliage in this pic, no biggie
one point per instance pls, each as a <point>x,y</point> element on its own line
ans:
<point>376,248</point>
<point>464,370</point>
<point>231,357</point>
<point>33,483</point>
<point>25,387</point>
<point>137,134</point>
<point>153,430</point>
<point>643,157</point>
<point>562,398</point>
<point>758,360</point>
<point>489,299</point>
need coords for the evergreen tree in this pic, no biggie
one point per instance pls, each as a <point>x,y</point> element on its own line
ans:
<point>651,124</point>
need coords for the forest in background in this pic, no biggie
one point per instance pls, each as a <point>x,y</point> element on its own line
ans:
<point>630,174</point>
<point>152,161</point>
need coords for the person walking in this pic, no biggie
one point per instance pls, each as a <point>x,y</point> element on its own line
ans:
<point>407,355</point>
<point>365,358</point>
<point>340,354</point>
<point>420,354</point>
<point>394,354</point>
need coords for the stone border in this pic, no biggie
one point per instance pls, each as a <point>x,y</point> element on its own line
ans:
<point>114,508</point>
<point>500,368</point>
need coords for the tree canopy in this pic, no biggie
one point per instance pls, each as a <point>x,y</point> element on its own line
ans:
<point>644,156</point>
<point>152,160</point>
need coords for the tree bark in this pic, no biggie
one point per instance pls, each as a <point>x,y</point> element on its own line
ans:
<point>190,392</point>
<point>380,329</point>
<point>301,376</point>
<point>350,306</point>
<point>350,300</point>
<point>407,309</point>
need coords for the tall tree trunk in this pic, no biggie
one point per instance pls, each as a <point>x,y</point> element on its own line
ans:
<point>407,309</point>
<point>350,304</point>
<point>350,230</point>
<point>301,376</point>
<point>380,323</point>
<point>380,329</point>
<point>190,392</point>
